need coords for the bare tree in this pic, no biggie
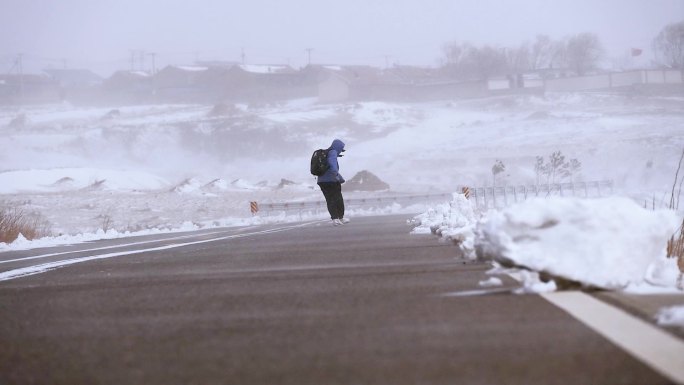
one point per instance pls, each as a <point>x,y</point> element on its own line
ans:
<point>669,45</point>
<point>458,58</point>
<point>497,169</point>
<point>583,52</point>
<point>574,168</point>
<point>558,167</point>
<point>541,169</point>
<point>559,54</point>
<point>490,61</point>
<point>518,59</point>
<point>454,52</point>
<point>541,55</point>
<point>464,61</point>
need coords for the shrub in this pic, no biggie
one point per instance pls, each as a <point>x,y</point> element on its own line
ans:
<point>15,221</point>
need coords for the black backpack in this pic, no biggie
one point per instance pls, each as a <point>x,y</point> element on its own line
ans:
<point>319,162</point>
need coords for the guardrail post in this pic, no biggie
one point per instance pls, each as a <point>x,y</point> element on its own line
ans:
<point>515,193</point>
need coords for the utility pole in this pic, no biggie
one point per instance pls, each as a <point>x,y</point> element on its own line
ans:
<point>242,55</point>
<point>308,50</point>
<point>132,63</point>
<point>154,67</point>
<point>141,57</point>
<point>20,67</point>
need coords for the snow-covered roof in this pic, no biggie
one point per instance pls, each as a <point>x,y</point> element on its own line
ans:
<point>263,68</point>
<point>192,68</point>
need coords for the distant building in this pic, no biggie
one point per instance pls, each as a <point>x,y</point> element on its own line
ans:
<point>265,83</point>
<point>225,81</point>
<point>128,87</point>
<point>400,83</point>
<point>339,83</point>
<point>15,89</point>
<point>74,78</point>
<point>76,85</point>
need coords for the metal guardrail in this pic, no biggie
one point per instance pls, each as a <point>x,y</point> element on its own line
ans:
<point>483,197</point>
<point>486,197</point>
<point>353,203</point>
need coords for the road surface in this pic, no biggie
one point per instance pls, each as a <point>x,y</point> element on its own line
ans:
<point>363,303</point>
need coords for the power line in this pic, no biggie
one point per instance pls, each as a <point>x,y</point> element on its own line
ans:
<point>308,50</point>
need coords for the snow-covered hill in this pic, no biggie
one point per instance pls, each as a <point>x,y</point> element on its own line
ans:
<point>165,164</point>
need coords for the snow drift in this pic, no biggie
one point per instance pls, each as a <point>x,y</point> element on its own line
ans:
<point>607,243</point>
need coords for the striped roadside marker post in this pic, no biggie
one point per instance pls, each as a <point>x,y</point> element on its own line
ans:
<point>466,192</point>
<point>253,207</point>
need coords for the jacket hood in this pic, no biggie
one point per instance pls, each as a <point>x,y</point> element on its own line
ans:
<point>337,145</point>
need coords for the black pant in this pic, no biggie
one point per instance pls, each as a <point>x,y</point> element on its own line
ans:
<point>332,191</point>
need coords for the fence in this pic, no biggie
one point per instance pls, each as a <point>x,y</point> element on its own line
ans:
<point>486,197</point>
<point>316,206</point>
<point>483,197</point>
<point>613,80</point>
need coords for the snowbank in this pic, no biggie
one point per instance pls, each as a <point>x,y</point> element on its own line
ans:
<point>21,243</point>
<point>610,243</point>
<point>454,221</point>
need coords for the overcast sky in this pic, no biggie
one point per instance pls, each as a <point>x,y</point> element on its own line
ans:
<point>100,34</point>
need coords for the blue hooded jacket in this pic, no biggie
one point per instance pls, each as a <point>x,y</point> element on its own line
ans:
<point>333,174</point>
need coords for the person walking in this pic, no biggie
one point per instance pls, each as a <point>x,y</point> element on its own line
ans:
<point>331,184</point>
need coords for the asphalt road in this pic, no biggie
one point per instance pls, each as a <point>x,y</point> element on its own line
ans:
<point>363,303</point>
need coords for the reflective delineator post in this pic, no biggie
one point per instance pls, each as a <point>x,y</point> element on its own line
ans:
<point>253,207</point>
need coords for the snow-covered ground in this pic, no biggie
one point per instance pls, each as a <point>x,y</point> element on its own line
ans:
<point>105,171</point>
<point>608,243</point>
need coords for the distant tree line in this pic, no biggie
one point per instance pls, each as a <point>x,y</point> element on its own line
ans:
<point>579,54</point>
<point>669,46</point>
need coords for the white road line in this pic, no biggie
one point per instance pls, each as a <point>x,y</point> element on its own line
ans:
<point>45,267</point>
<point>477,292</point>
<point>108,247</point>
<point>653,346</point>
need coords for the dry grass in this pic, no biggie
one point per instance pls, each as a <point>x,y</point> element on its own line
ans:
<point>675,249</point>
<point>15,221</point>
<point>675,246</point>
